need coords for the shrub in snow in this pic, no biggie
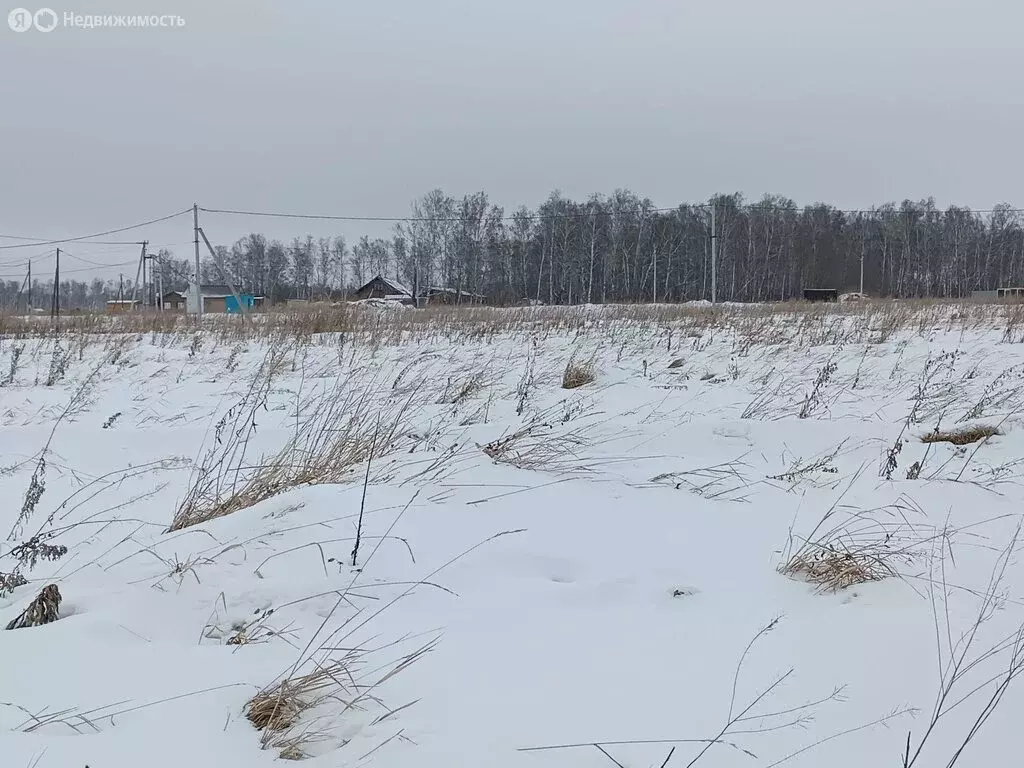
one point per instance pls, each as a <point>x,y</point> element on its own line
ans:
<point>577,375</point>
<point>43,610</point>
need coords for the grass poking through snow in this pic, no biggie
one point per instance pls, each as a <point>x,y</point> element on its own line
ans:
<point>577,375</point>
<point>961,435</point>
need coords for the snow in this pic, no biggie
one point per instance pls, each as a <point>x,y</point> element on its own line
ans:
<point>387,302</point>
<point>605,590</point>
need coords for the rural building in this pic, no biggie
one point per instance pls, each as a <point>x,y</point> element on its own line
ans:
<point>248,303</point>
<point>438,295</point>
<point>174,301</point>
<point>119,306</point>
<point>384,288</point>
<point>999,293</point>
<point>218,299</point>
<point>821,294</point>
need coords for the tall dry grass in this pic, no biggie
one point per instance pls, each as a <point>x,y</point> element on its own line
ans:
<point>334,432</point>
<point>850,546</point>
<point>793,322</point>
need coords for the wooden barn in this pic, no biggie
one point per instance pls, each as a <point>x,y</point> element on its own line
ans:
<point>382,287</point>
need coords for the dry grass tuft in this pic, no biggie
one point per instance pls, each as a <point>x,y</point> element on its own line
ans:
<point>277,709</point>
<point>577,375</point>
<point>851,546</point>
<point>291,752</point>
<point>834,569</point>
<point>300,710</point>
<point>961,435</point>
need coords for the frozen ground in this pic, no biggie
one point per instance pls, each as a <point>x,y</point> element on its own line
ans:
<point>546,567</point>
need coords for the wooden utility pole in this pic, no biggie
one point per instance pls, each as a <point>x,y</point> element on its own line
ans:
<point>29,305</point>
<point>714,257</point>
<point>197,291</point>
<point>145,294</point>
<point>139,270</point>
<point>21,291</point>
<point>144,298</point>
<point>55,303</point>
<point>154,263</point>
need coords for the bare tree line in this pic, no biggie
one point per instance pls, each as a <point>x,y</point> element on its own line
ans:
<point>621,248</point>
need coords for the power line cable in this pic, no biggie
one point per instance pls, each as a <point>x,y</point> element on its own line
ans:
<point>43,240</point>
<point>79,258</point>
<point>397,219</point>
<point>75,271</point>
<point>34,258</point>
<point>722,203</point>
<point>99,234</point>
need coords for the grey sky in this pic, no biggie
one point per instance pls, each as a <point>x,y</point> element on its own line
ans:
<point>358,107</point>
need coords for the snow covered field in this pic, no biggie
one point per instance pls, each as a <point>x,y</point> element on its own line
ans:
<point>542,574</point>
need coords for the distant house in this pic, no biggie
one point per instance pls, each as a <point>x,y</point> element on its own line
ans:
<point>218,299</point>
<point>821,294</point>
<point>384,288</point>
<point>119,306</point>
<point>174,301</point>
<point>440,295</point>
<point>214,298</point>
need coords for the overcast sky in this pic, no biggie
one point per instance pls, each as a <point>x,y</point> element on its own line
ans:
<point>358,107</point>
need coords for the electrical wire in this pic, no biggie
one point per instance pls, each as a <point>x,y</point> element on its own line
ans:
<point>98,234</point>
<point>34,258</point>
<point>42,240</point>
<point>64,252</point>
<point>748,207</point>
<point>76,270</point>
<point>398,219</point>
